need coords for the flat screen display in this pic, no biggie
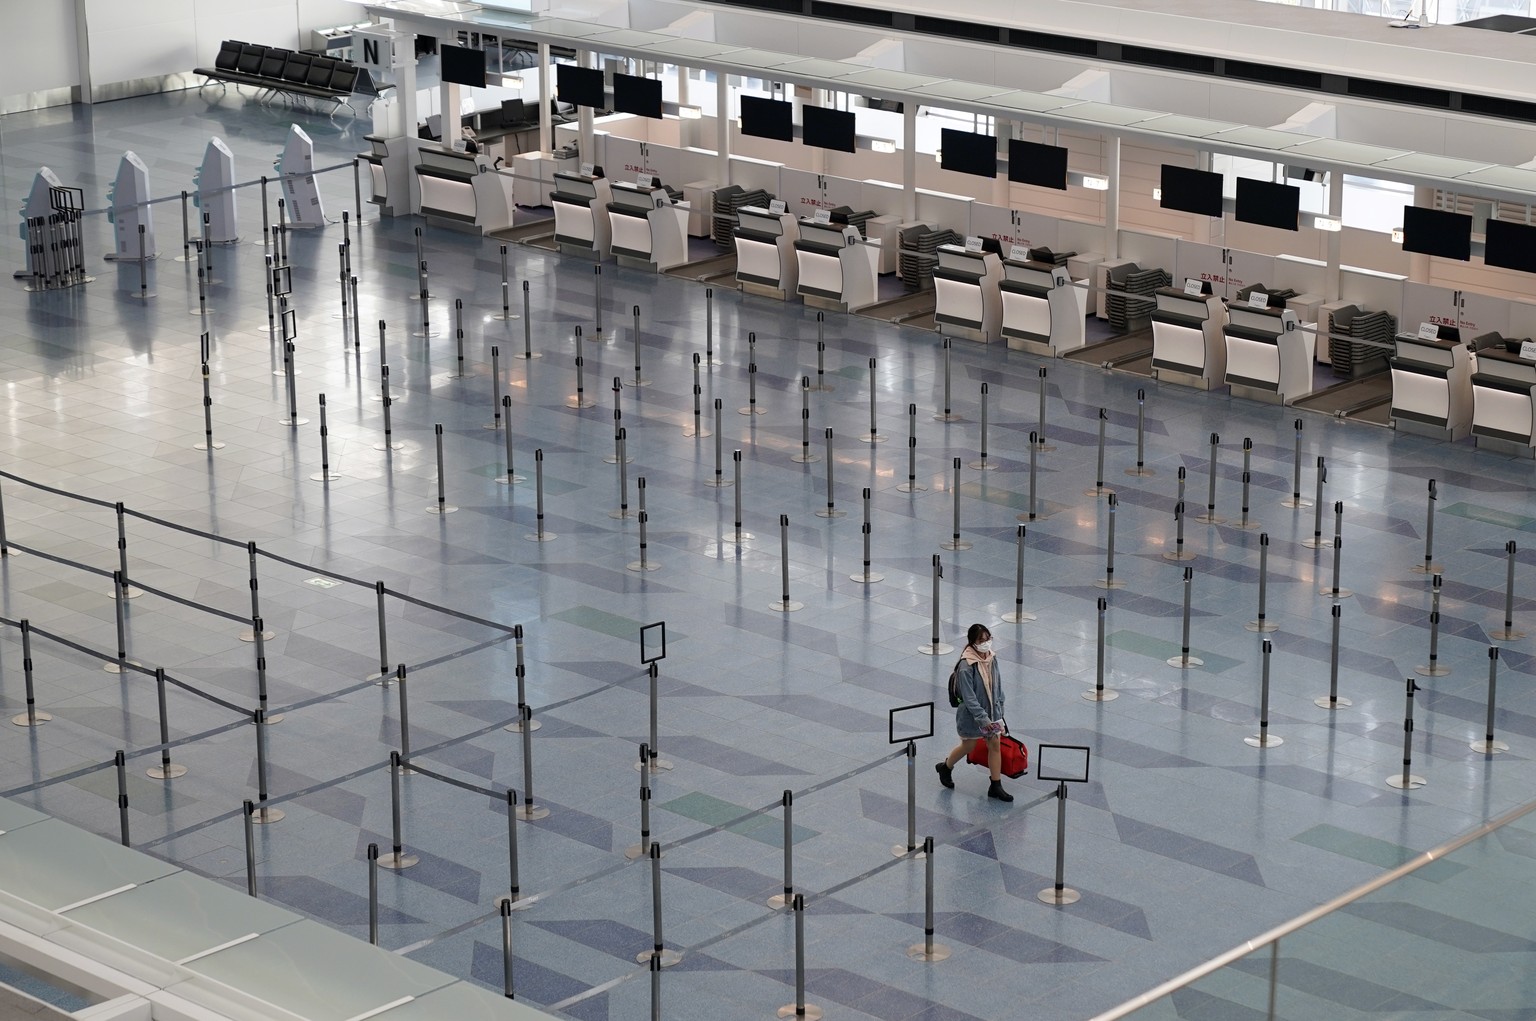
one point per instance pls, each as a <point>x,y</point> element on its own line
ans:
<point>580,86</point>
<point>1044,166</point>
<point>767,118</point>
<point>1191,191</point>
<point>636,95</point>
<point>1510,246</point>
<point>1268,204</point>
<point>968,153</point>
<point>462,65</point>
<point>1437,232</point>
<point>828,129</point>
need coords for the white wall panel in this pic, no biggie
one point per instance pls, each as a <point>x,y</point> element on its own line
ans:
<point>141,40</point>
<point>269,22</point>
<point>48,60</point>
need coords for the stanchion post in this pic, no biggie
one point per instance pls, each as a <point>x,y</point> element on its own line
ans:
<point>1489,746</point>
<point>658,951</point>
<point>1261,624</point>
<point>638,381</point>
<point>874,434</point>
<point>709,326</point>
<point>511,478</point>
<point>357,192</point>
<point>324,474</point>
<point>1210,517</point>
<point>121,761</point>
<point>1434,668</point>
<point>507,989</point>
<point>1184,660</point>
<point>512,899</point>
<point>805,456</point>
<point>530,810</point>
<point>520,671</point>
<point>643,849</point>
<point>129,592</point>
<point>911,485</point>
<point>782,900</point>
<point>166,770</point>
<point>955,542</point>
<point>1429,566</point>
<point>784,604</point>
<point>1317,541</point>
<point>264,813</point>
<point>831,510</point>
<point>1407,780</point>
<point>1060,893</point>
<point>1019,614</point>
<point>186,237</point>
<point>442,506</point>
<point>540,534</point>
<point>867,576</point>
<point>527,324</point>
<point>247,813</point>
<point>1099,693</point>
<point>657,763</point>
<point>1099,489</point>
<point>1332,700</point>
<point>1141,437</point>
<point>1040,430</point>
<point>800,1009</point>
<point>382,676</point>
<point>1295,500</point>
<point>910,847</point>
<point>597,300</point>
<point>1109,581</point>
<point>1505,634</point>
<point>928,951</point>
<point>935,647</point>
<point>402,693</point>
<point>397,859</point>
<point>948,414</point>
<point>33,717</point>
<point>373,893</point>
<point>496,388</point>
<point>1264,739</point>
<point>1334,591</point>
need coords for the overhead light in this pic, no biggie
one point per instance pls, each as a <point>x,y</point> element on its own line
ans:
<point>1397,235</point>
<point>1328,223</point>
<point>882,144</point>
<point>1095,183</point>
<point>1157,194</point>
<point>690,113</point>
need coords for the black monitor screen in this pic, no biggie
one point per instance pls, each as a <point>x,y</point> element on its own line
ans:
<point>1268,204</point>
<point>1044,166</point>
<point>1437,232</point>
<point>828,129</point>
<point>580,86</point>
<point>636,95</point>
<point>767,118</point>
<point>462,65</point>
<point>1510,246</point>
<point>968,153</point>
<point>1191,191</point>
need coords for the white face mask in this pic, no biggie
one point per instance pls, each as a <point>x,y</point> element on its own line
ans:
<point>984,647</point>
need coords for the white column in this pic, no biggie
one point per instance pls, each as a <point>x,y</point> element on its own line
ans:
<point>1112,197</point>
<point>722,128</point>
<point>1336,238</point>
<point>909,161</point>
<point>546,96</point>
<point>586,58</point>
<point>448,106</point>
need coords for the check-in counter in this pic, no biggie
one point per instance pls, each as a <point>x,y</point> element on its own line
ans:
<point>387,161</point>
<point>1504,401</point>
<point>649,230</point>
<point>967,299</point>
<point>1431,387</point>
<point>837,272</point>
<point>765,252</point>
<point>1043,311</point>
<point>447,182</point>
<point>582,223</point>
<point>1188,341</point>
<point>1269,355</point>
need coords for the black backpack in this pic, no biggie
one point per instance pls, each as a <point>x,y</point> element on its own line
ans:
<point>954,684</point>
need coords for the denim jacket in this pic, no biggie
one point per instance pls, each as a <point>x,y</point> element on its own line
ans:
<point>974,709</point>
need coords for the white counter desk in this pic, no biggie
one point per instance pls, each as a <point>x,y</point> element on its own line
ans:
<point>649,231</point>
<point>1504,401</point>
<point>1043,311</point>
<point>1269,355</point>
<point>967,300</point>
<point>1188,344</point>
<point>1431,387</point>
<point>765,252</point>
<point>582,224</point>
<point>837,271</point>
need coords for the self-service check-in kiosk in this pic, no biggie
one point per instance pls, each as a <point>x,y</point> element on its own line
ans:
<point>1188,344</point>
<point>1432,383</point>
<point>967,301</point>
<point>1043,313</point>
<point>765,251</point>
<point>1504,396</point>
<point>582,224</point>
<point>837,271</point>
<point>387,165</point>
<point>1269,355</point>
<point>649,230</point>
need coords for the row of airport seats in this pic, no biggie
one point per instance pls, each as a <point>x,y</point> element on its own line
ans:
<point>284,70</point>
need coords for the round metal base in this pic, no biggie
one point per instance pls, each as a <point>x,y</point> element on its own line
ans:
<point>426,334</point>
<point>516,478</point>
<point>737,538</point>
<point>936,649</point>
<point>1141,472</point>
<point>1066,895</point>
<point>668,957</point>
<point>270,721</point>
<point>131,592</point>
<point>831,512</point>
<point>753,410</point>
<point>111,666</point>
<point>619,513</point>
<point>637,382</point>
<point>325,477</point>
<point>1178,556</point>
<point>492,426</point>
<point>532,813</point>
<point>267,816</point>
<point>541,537</point>
<point>1247,523</point>
<point>581,404</point>
<point>867,578</point>
<point>1414,782</point>
<point>634,852</point>
<point>1108,583</point>
<point>958,545</point>
<point>903,851</point>
<point>293,423</point>
<point>1317,543</point>
<point>1262,627</point>
<point>205,445</point>
<point>880,438</point>
<point>1506,635</point>
<point>141,295</point>
<point>170,772</point>
<point>397,445</point>
<point>1325,702</point>
<point>1264,741</point>
<point>527,355</point>
<point>780,901</point>
<point>1426,569</point>
<point>1336,593</point>
<point>1210,519</point>
<point>804,458</point>
<point>642,566</point>
<point>280,373</point>
<point>948,417</point>
<point>403,860</point>
<point>37,719</point>
<point>1018,617</point>
<point>981,466</point>
<point>786,607</point>
<point>1489,747</point>
<point>208,311</point>
<point>697,434</point>
<point>1298,502</point>
<point>1098,491</point>
<point>612,459</point>
<point>1095,695</point>
<point>719,482</point>
<point>1183,662</point>
<point>911,487</point>
<point>517,726</point>
<point>657,765</point>
<point>921,952</point>
<point>1432,670</point>
<point>520,904</point>
<point>809,1012</point>
<point>503,317</point>
<point>1044,448</point>
<point>442,508</point>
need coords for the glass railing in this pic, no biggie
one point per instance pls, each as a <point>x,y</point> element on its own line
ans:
<point>1451,933</point>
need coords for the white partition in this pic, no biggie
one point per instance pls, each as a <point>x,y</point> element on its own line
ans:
<point>1425,303</point>
<point>752,173</point>
<point>626,158</point>
<point>1484,313</point>
<point>1371,290</point>
<point>1522,319</point>
<point>800,190</point>
<point>1014,227</point>
<point>1304,276</point>
<point>1195,261</point>
<point>1153,251</point>
<point>1244,268</point>
<point>942,209</point>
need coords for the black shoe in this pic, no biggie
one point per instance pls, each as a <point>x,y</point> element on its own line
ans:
<point>996,791</point>
<point>946,774</point>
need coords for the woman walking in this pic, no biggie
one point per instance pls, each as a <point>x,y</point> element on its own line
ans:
<point>979,716</point>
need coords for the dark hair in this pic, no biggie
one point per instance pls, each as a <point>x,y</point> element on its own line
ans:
<point>974,633</point>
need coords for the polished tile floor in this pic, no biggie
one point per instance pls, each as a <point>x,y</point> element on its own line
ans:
<point>1185,841</point>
